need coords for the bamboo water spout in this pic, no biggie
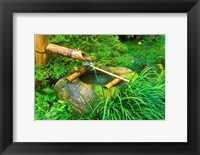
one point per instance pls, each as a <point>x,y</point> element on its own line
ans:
<point>56,49</point>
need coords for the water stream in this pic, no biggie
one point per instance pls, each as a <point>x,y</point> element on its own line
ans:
<point>95,72</point>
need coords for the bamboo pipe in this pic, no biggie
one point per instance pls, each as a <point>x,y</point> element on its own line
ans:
<point>110,73</point>
<point>76,74</point>
<point>56,49</point>
<point>113,83</point>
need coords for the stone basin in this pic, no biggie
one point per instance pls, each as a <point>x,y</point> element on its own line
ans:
<point>81,89</point>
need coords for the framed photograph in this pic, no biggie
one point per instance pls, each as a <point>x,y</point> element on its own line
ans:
<point>106,77</point>
<point>102,80</point>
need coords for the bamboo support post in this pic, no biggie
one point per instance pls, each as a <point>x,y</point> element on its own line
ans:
<point>41,57</point>
<point>113,83</point>
<point>76,74</point>
<point>56,49</point>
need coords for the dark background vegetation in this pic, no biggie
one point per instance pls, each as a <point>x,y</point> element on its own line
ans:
<point>141,99</point>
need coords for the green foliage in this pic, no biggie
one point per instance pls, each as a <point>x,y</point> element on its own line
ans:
<point>108,50</point>
<point>149,51</point>
<point>146,95</point>
<point>47,106</point>
<point>59,66</point>
<point>41,74</point>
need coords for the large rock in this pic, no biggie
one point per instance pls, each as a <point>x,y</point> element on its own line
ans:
<point>77,92</point>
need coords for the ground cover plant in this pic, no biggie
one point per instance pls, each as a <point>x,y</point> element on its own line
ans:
<point>143,98</point>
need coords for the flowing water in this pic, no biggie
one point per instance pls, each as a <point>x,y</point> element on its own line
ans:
<point>95,72</point>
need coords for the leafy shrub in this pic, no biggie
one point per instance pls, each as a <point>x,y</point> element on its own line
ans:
<point>149,52</point>
<point>41,74</point>
<point>47,106</point>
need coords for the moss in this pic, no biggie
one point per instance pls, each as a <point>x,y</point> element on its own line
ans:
<point>105,93</point>
<point>131,76</point>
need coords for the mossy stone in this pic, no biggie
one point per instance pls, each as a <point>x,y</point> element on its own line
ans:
<point>77,92</point>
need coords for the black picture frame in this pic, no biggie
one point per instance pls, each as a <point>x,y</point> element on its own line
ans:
<point>8,7</point>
